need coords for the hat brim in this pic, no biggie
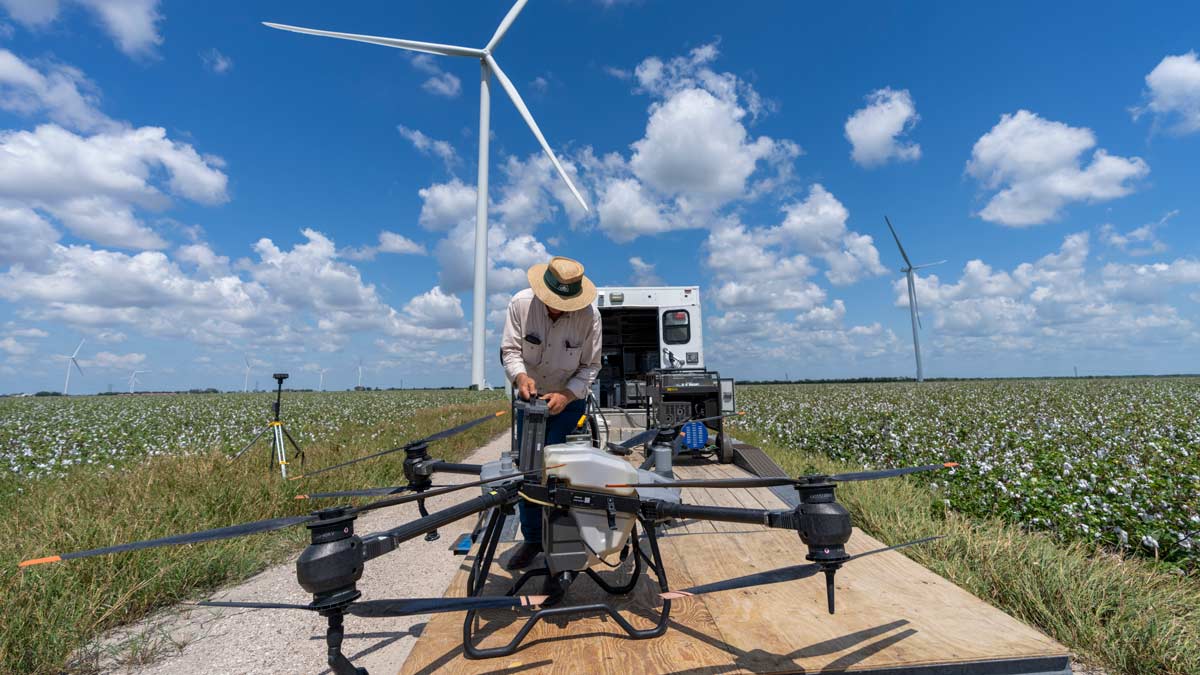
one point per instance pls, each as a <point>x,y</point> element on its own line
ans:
<point>537,281</point>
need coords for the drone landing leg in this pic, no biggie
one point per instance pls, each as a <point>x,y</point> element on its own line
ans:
<point>472,651</point>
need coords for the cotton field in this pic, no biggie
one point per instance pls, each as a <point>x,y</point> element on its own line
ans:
<point>44,437</point>
<point>1115,461</point>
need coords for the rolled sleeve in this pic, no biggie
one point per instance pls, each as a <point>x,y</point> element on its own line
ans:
<point>589,359</point>
<point>510,343</point>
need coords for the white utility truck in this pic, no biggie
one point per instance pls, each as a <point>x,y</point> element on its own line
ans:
<point>653,361</point>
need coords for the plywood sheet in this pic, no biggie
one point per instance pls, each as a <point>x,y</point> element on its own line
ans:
<point>892,613</point>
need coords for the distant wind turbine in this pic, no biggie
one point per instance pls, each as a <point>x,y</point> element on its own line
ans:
<point>71,361</point>
<point>360,372</point>
<point>133,381</point>
<point>488,66</point>
<point>321,387</point>
<point>908,270</point>
<point>246,379</point>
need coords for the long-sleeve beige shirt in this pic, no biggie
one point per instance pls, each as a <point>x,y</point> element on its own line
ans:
<point>568,356</point>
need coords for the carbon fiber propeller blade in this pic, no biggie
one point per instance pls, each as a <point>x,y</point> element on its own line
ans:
<point>369,492</point>
<point>399,607</point>
<point>262,525</point>
<point>888,473</point>
<point>190,538</point>
<point>778,575</point>
<point>407,606</point>
<point>784,480</point>
<point>411,444</point>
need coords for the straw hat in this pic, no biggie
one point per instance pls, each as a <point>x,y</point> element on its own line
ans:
<point>560,284</point>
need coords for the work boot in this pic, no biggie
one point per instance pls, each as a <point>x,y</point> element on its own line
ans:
<point>523,555</point>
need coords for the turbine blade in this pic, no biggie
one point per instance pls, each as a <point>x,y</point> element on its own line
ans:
<point>76,352</point>
<point>509,89</point>
<point>912,295</point>
<point>76,365</point>
<point>410,45</point>
<point>897,238</point>
<point>504,25</point>
<point>921,267</point>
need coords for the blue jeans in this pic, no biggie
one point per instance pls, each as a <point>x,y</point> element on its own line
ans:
<point>557,428</point>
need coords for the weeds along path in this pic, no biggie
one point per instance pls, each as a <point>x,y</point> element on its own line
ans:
<point>197,640</point>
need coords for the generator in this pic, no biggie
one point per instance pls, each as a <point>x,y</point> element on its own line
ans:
<point>674,397</point>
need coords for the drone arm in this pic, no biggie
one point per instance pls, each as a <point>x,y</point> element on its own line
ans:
<point>451,467</point>
<point>375,545</point>
<point>656,509</point>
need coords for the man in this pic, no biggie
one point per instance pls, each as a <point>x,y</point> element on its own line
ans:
<point>551,350</point>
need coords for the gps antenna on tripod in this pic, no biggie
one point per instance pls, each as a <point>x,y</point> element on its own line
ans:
<point>278,433</point>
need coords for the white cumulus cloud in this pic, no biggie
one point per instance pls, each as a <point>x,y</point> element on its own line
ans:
<point>875,131</point>
<point>1036,167</point>
<point>1173,93</point>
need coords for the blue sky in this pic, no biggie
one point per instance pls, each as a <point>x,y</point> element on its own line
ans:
<point>186,188</point>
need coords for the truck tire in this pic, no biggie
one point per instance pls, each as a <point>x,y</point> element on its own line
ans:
<point>725,448</point>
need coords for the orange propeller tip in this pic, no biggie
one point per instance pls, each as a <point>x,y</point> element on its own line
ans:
<point>617,485</point>
<point>742,412</point>
<point>674,595</point>
<point>501,413</point>
<point>301,497</point>
<point>40,561</point>
<point>949,465</point>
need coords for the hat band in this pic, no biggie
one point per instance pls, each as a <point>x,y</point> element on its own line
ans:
<point>559,288</point>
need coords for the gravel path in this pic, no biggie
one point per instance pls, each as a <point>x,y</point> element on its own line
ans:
<point>198,640</point>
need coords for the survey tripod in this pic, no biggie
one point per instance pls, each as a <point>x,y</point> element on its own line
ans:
<point>278,434</point>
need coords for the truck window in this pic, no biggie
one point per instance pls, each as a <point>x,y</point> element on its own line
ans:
<point>677,328</point>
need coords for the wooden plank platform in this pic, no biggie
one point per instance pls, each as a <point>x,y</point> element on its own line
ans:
<point>894,615</point>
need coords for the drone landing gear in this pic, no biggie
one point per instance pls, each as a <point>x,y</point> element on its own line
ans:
<point>482,565</point>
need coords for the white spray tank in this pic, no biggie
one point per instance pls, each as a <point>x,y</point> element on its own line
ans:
<point>587,468</point>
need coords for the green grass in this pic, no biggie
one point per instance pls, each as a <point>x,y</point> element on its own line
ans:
<point>52,612</point>
<point>1127,615</point>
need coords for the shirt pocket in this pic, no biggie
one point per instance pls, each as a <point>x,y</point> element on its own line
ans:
<point>567,359</point>
<point>531,354</point>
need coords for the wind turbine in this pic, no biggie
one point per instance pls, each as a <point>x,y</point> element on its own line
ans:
<point>908,270</point>
<point>246,379</point>
<point>133,378</point>
<point>71,360</point>
<point>359,372</point>
<point>321,387</point>
<point>488,67</point>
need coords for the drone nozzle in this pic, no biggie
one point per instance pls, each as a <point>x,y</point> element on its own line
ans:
<point>829,572</point>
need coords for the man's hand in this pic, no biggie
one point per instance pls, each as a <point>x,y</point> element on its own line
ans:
<point>526,387</point>
<point>557,400</point>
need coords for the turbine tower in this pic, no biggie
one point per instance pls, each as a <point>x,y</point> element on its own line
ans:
<point>71,361</point>
<point>908,270</point>
<point>359,373</point>
<point>133,381</point>
<point>321,387</point>
<point>246,378</point>
<point>488,67</point>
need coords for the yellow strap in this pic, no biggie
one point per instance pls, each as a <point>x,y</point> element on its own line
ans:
<point>276,424</point>
<point>582,419</point>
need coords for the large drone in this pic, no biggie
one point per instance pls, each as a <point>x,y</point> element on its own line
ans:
<point>593,501</point>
